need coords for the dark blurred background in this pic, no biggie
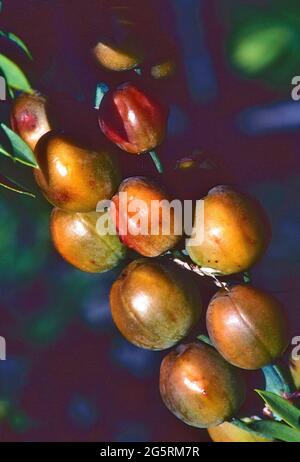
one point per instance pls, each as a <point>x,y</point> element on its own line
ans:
<point>69,376</point>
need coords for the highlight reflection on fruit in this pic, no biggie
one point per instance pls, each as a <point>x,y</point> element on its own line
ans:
<point>247,326</point>
<point>199,387</point>
<point>229,433</point>
<point>142,207</point>
<point>78,240</point>
<point>132,119</point>
<point>153,305</point>
<point>73,177</point>
<point>235,233</point>
<point>29,118</point>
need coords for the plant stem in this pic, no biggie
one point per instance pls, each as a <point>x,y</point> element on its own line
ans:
<point>156,161</point>
<point>177,256</point>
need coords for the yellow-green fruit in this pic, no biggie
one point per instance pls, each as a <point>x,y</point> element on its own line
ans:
<point>229,433</point>
<point>295,371</point>
<point>234,231</point>
<point>117,59</point>
<point>79,240</point>
<point>73,177</point>
<point>199,387</point>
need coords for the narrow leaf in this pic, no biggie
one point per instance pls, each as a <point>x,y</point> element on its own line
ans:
<point>205,339</point>
<point>15,77</point>
<point>275,430</point>
<point>19,42</point>
<point>5,153</point>
<point>282,408</point>
<point>275,380</point>
<point>13,186</point>
<point>22,152</point>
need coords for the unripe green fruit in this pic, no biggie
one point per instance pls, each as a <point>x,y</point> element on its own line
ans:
<point>229,433</point>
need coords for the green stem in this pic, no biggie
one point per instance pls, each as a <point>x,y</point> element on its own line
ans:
<point>156,161</point>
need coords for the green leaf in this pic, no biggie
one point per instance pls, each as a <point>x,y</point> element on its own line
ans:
<point>15,77</point>
<point>13,186</point>
<point>282,408</point>
<point>245,424</point>
<point>275,430</point>
<point>101,90</point>
<point>22,152</point>
<point>19,42</point>
<point>205,339</point>
<point>5,153</point>
<point>275,380</point>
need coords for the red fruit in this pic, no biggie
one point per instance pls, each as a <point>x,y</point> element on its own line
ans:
<point>132,119</point>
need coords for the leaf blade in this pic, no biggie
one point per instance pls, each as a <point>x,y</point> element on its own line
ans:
<point>276,430</point>
<point>282,408</point>
<point>18,41</point>
<point>12,185</point>
<point>22,152</point>
<point>15,77</point>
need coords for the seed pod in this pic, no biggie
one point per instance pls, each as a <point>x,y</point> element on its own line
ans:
<point>154,305</point>
<point>247,326</point>
<point>199,387</point>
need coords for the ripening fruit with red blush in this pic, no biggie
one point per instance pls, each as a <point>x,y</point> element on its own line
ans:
<point>132,119</point>
<point>143,218</point>
<point>199,387</point>
<point>29,117</point>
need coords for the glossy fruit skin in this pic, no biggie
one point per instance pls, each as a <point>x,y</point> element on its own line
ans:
<point>229,433</point>
<point>247,326</point>
<point>153,304</point>
<point>199,387</point>
<point>132,119</point>
<point>72,177</point>
<point>116,58</point>
<point>235,232</point>
<point>149,245</point>
<point>76,238</point>
<point>29,117</point>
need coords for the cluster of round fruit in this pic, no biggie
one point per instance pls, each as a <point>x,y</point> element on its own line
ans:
<point>154,303</point>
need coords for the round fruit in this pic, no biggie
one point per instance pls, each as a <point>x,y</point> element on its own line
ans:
<point>246,326</point>
<point>153,304</point>
<point>72,177</point>
<point>79,241</point>
<point>29,118</point>
<point>163,69</point>
<point>229,433</point>
<point>143,218</point>
<point>132,119</point>
<point>117,59</point>
<point>235,233</point>
<point>199,387</point>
